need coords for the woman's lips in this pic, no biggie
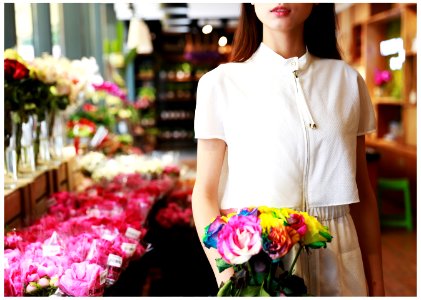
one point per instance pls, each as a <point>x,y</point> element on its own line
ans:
<point>281,11</point>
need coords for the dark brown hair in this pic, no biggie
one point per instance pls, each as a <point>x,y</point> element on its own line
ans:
<point>319,33</point>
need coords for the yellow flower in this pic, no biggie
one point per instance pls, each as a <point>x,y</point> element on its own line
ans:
<point>13,54</point>
<point>227,217</point>
<point>317,235</point>
<point>269,219</point>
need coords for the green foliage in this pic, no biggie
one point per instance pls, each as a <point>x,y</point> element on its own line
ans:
<point>222,264</point>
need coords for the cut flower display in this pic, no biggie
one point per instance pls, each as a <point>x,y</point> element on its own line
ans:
<point>254,242</point>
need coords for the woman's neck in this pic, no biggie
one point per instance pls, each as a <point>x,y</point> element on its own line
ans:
<point>287,44</point>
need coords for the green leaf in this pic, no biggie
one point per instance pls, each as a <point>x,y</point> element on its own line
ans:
<point>326,235</point>
<point>225,290</point>
<point>250,291</point>
<point>262,292</point>
<point>317,245</point>
<point>222,265</point>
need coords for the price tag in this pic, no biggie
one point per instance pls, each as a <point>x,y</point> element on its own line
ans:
<point>132,233</point>
<point>128,248</point>
<point>103,277</point>
<point>108,237</point>
<point>50,250</point>
<point>114,260</point>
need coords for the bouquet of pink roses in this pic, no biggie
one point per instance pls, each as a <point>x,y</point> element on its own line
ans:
<point>254,242</point>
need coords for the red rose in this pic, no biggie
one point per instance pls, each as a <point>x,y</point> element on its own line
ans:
<point>14,70</point>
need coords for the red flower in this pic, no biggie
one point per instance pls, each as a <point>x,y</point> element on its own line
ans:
<point>89,107</point>
<point>14,70</point>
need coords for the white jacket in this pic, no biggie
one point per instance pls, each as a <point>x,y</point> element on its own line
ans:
<point>291,136</point>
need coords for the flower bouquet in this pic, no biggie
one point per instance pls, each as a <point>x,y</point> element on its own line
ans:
<point>254,242</point>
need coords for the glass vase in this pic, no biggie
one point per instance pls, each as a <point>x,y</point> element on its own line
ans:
<point>57,137</point>
<point>26,164</point>
<point>43,156</point>
<point>10,157</point>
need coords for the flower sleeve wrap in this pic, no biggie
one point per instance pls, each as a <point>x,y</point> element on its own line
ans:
<point>82,279</point>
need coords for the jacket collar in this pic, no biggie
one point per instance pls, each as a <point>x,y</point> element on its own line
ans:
<point>266,55</point>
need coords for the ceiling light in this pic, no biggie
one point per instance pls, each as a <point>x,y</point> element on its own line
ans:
<point>207,29</point>
<point>222,41</point>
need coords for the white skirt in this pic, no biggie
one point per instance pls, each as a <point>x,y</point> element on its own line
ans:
<point>336,270</point>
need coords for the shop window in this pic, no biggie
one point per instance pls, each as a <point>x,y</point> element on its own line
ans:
<point>55,29</point>
<point>24,31</point>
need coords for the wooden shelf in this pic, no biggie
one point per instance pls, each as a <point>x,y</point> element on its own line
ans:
<point>387,101</point>
<point>385,16</point>
<point>392,145</point>
<point>190,99</point>
<point>192,79</point>
<point>411,53</point>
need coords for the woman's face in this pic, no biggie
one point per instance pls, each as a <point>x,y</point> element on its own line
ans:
<point>282,16</point>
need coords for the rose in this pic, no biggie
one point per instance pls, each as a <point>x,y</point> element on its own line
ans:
<point>278,242</point>
<point>317,235</point>
<point>210,238</point>
<point>239,239</point>
<point>81,279</point>
<point>32,274</point>
<point>14,70</point>
<point>297,222</point>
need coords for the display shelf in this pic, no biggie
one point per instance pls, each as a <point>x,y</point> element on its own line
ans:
<point>29,199</point>
<point>365,25</point>
<point>371,24</point>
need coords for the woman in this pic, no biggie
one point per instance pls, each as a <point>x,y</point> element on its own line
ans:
<point>283,125</point>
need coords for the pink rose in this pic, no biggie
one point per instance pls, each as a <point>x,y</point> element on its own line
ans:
<point>32,274</point>
<point>240,239</point>
<point>81,280</point>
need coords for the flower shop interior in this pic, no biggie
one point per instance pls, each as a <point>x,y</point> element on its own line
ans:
<point>99,147</point>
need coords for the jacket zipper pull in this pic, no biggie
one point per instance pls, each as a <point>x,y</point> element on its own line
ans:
<point>304,105</point>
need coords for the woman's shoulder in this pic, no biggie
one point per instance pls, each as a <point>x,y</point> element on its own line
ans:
<point>336,66</point>
<point>222,72</point>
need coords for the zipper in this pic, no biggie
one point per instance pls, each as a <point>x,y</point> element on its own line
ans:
<point>308,119</point>
<point>307,122</point>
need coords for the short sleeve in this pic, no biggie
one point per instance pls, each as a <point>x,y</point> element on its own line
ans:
<point>208,121</point>
<point>367,119</point>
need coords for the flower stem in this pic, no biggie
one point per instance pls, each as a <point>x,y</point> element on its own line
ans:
<point>269,280</point>
<point>251,271</point>
<point>291,269</point>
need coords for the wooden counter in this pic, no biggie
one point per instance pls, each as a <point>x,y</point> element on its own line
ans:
<point>28,200</point>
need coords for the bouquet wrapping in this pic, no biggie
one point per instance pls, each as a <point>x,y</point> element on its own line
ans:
<point>255,241</point>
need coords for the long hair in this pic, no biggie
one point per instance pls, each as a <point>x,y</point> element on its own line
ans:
<point>319,33</point>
